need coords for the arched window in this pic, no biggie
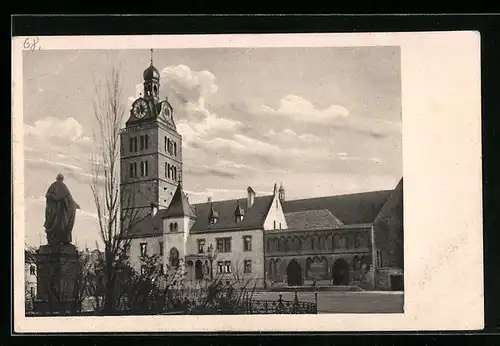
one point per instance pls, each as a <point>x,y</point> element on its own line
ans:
<point>171,227</point>
<point>175,173</point>
<point>175,148</point>
<point>174,257</point>
<point>282,244</point>
<point>276,244</point>
<point>176,227</point>
<point>146,141</point>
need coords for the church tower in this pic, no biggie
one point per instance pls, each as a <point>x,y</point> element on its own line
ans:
<point>151,149</point>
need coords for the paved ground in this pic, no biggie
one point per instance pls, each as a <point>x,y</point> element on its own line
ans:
<point>346,302</point>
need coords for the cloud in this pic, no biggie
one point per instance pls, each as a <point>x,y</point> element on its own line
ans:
<point>190,86</point>
<point>302,110</point>
<point>68,128</point>
<point>291,136</point>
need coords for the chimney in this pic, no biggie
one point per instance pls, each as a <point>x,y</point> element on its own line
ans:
<point>250,197</point>
<point>154,209</point>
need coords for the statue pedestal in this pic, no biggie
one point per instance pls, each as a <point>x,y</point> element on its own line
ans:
<point>57,281</point>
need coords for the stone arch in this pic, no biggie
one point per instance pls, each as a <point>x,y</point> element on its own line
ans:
<point>340,272</point>
<point>294,273</point>
<point>290,244</point>
<point>198,270</point>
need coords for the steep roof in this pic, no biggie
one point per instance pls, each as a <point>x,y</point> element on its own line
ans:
<point>179,206</point>
<point>393,208</point>
<point>254,216</point>
<point>312,219</point>
<point>358,208</point>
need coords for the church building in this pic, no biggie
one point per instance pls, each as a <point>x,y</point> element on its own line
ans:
<point>268,240</point>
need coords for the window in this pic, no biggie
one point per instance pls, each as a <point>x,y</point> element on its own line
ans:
<point>144,249</point>
<point>142,142</point>
<point>175,149</point>
<point>227,267</point>
<point>174,257</point>
<point>167,173</point>
<point>247,268</point>
<point>176,227</point>
<point>32,270</point>
<point>220,267</point>
<point>161,248</point>
<point>135,144</point>
<point>162,270</point>
<point>144,168</point>
<point>201,245</point>
<point>280,225</point>
<point>165,143</point>
<point>146,142</point>
<point>32,291</point>
<point>274,226</point>
<point>133,170</point>
<point>175,174</point>
<point>171,226</point>
<point>247,243</point>
<point>277,205</point>
<point>131,144</point>
<point>224,244</point>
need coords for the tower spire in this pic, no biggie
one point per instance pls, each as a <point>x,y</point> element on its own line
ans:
<point>151,50</point>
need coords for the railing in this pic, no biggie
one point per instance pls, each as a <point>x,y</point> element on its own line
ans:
<point>279,307</point>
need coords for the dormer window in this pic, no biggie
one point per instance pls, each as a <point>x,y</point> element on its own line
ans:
<point>239,213</point>
<point>212,215</point>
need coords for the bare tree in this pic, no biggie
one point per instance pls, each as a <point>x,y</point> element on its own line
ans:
<point>115,208</point>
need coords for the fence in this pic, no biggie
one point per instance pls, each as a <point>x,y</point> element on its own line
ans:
<point>247,307</point>
<point>280,306</point>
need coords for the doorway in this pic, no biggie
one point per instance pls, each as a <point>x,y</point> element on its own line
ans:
<point>198,270</point>
<point>340,272</point>
<point>294,273</point>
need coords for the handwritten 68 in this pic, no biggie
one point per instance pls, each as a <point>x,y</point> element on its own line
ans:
<point>32,43</point>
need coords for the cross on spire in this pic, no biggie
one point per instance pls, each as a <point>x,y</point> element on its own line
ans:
<point>151,56</point>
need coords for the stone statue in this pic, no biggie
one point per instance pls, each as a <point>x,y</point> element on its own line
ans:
<point>60,211</point>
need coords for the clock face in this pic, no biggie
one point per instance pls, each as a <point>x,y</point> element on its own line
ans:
<point>140,109</point>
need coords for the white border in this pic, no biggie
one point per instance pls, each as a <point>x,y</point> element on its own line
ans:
<point>441,96</point>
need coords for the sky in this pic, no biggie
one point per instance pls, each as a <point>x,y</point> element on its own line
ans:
<point>321,121</point>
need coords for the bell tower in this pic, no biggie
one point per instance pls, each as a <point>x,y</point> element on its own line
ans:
<point>151,150</point>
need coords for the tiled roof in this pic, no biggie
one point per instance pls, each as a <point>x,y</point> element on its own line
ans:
<point>254,216</point>
<point>358,208</point>
<point>179,206</point>
<point>312,219</point>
